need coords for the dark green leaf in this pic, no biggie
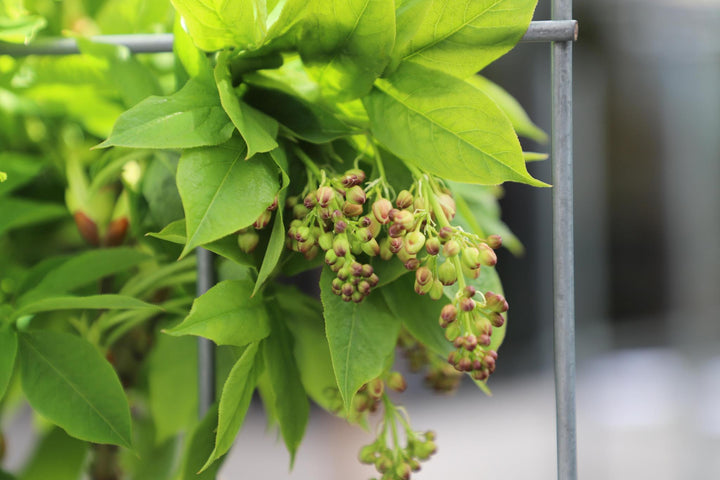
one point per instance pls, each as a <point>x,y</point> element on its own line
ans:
<point>257,129</point>
<point>235,400</point>
<point>291,403</point>
<point>20,169</point>
<point>228,315</point>
<point>57,456</point>
<point>17,213</point>
<point>461,37</point>
<point>67,381</point>
<point>223,193</point>
<point>8,350</point>
<point>446,127</point>
<point>199,448</point>
<point>191,117</point>
<point>361,337</point>
<point>346,44</point>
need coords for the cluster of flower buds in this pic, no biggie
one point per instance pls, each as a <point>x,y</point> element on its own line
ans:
<point>439,376</point>
<point>468,322</point>
<point>367,399</point>
<point>398,463</point>
<point>248,238</point>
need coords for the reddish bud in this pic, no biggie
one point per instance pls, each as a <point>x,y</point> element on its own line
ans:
<point>496,302</point>
<point>116,232</point>
<point>469,291</point>
<point>451,248</point>
<point>484,340</point>
<point>467,304</point>
<point>447,204</point>
<point>404,199</point>
<point>341,245</point>
<point>373,280</point>
<point>448,313</point>
<point>381,210</point>
<point>273,206</point>
<point>494,241</point>
<point>310,201</point>
<point>471,342</point>
<point>396,382</point>
<point>487,255</point>
<point>396,244</point>
<point>412,263</point>
<point>364,287</point>
<point>355,195</point>
<point>263,220</point>
<point>445,234</point>
<point>87,228</point>
<point>352,209</point>
<point>405,219</point>
<point>497,320</point>
<point>432,245</point>
<point>423,276</point>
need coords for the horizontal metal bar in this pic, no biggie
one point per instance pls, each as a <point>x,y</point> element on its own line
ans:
<point>540,31</point>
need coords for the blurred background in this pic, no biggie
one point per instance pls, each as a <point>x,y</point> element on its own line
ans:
<point>647,236</point>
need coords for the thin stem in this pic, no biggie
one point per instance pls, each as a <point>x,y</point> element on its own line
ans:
<point>308,161</point>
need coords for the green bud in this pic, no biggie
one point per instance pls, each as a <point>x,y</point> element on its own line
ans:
<point>367,454</point>
<point>447,274</point>
<point>396,382</point>
<point>436,292</point>
<point>432,245</point>
<point>352,209</point>
<point>494,241</point>
<point>404,199</point>
<point>263,220</point>
<point>341,246</point>
<point>381,210</point>
<point>330,257</point>
<point>404,219</point>
<point>471,257</point>
<point>451,248</point>
<point>403,471</point>
<point>447,204</point>
<point>423,276</point>
<point>371,247</point>
<point>414,242</point>
<point>248,241</point>
<point>385,252</point>
<point>487,255</point>
<point>355,195</point>
<point>325,240</point>
<point>452,331</point>
<point>324,195</point>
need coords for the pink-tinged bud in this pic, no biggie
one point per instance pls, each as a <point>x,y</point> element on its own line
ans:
<point>304,247</point>
<point>484,340</point>
<point>355,195</point>
<point>341,245</point>
<point>497,320</point>
<point>412,263</point>
<point>373,280</point>
<point>459,342</point>
<point>357,297</point>
<point>325,240</point>
<point>464,365</point>
<point>494,241</point>
<point>367,270</point>
<point>451,248</point>
<point>353,177</point>
<point>395,231</point>
<point>302,233</point>
<point>381,210</point>
<point>324,195</point>
<point>312,253</point>
<point>374,227</point>
<point>300,211</point>
<point>471,342</point>
<point>396,382</point>
<point>325,213</point>
<point>248,241</point>
<point>330,257</point>
<point>405,219</point>
<point>489,362</point>
<point>467,304</point>
<point>404,199</point>
<point>352,209</point>
<point>453,357</point>
<point>364,221</point>
<point>478,364</point>
<point>447,274</point>
<point>403,471</point>
<point>337,215</point>
<point>340,226</point>
<point>396,244</point>
<point>347,289</point>
<point>487,255</point>
<point>375,387</point>
<point>496,302</point>
<point>414,465</point>
<point>470,273</point>
<point>445,234</point>
<point>414,241</point>
<point>273,206</point>
<point>432,245</point>
<point>480,375</point>
<point>492,353</point>
<point>356,269</point>
<point>436,292</point>
<point>385,252</point>
<point>364,287</point>
<point>363,234</point>
<point>263,220</point>
<point>448,313</point>
<point>371,247</point>
<point>422,289</point>
<point>469,291</point>
<point>423,275</point>
<point>471,257</point>
<point>310,201</point>
<point>447,204</point>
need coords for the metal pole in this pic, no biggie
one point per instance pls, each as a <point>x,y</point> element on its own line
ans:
<point>206,348</point>
<point>551,31</point>
<point>563,275</point>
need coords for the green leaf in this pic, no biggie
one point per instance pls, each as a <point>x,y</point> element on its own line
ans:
<point>283,15</point>
<point>199,447</point>
<point>218,24</point>
<point>17,213</point>
<point>275,248</point>
<point>257,129</point>
<point>227,315</point>
<point>57,456</point>
<point>91,302</point>
<point>312,354</point>
<point>461,37</point>
<point>308,121</point>
<point>19,168</point>
<point>346,44</point>
<point>191,117</point>
<point>409,16</point>
<point>418,313</point>
<point>446,127</point>
<point>290,400</point>
<point>8,350</point>
<point>173,383</point>
<point>21,29</point>
<point>193,60</point>
<point>361,337</point>
<point>235,400</point>
<point>84,269</point>
<point>66,380</point>
<point>511,107</point>
<point>221,192</point>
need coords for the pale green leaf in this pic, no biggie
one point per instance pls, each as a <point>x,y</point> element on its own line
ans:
<point>461,37</point>
<point>21,29</point>
<point>91,302</point>
<point>67,381</point>
<point>446,127</point>
<point>227,315</point>
<point>223,193</point>
<point>191,117</point>
<point>346,44</point>
<point>361,337</point>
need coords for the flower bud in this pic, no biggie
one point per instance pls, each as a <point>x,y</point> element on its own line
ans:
<point>448,314</point>
<point>367,454</point>
<point>363,234</point>
<point>357,297</point>
<point>341,245</point>
<point>356,269</point>
<point>347,289</point>
<point>331,257</point>
<point>423,276</point>
<point>496,302</point>
<point>325,213</point>
<point>325,240</point>
<point>480,375</point>
<point>385,252</point>
<point>302,233</point>
<point>404,199</point>
<point>364,287</point>
<point>484,340</point>
<point>451,248</point>
<point>355,195</point>
<point>262,220</point>
<point>395,230</point>
<point>464,364</point>
<point>467,304</point>
<point>414,242</point>
<point>447,274</point>
<point>299,211</point>
<point>371,247</point>
<point>432,245</point>
<point>336,285</point>
<point>367,270</point>
<point>471,257</point>
<point>403,471</point>
<point>405,219</point>
<point>396,244</point>
<point>422,289</point>
<point>469,291</point>
<point>381,210</point>
<point>352,209</point>
<point>375,227</point>
<point>470,273</point>
<point>494,241</point>
<point>376,387</point>
<point>273,206</point>
<point>396,382</point>
<point>487,255</point>
<point>447,204</point>
<point>290,202</point>
<point>248,241</point>
<point>411,263</point>
<point>310,201</point>
<point>353,177</point>
<point>340,226</point>
<point>436,292</point>
<point>116,232</point>
<point>471,342</point>
<point>497,320</point>
<point>445,234</point>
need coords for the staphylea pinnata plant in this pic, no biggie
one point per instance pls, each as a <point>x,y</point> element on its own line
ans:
<point>353,138</point>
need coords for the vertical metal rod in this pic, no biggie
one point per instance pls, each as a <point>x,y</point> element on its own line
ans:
<point>206,348</point>
<point>563,251</point>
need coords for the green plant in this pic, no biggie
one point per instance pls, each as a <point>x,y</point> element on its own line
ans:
<point>283,136</point>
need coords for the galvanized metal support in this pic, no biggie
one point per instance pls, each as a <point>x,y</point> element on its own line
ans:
<point>206,348</point>
<point>563,248</point>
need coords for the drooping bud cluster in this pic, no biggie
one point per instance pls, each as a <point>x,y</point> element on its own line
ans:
<point>248,238</point>
<point>399,463</point>
<point>439,376</point>
<point>367,399</point>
